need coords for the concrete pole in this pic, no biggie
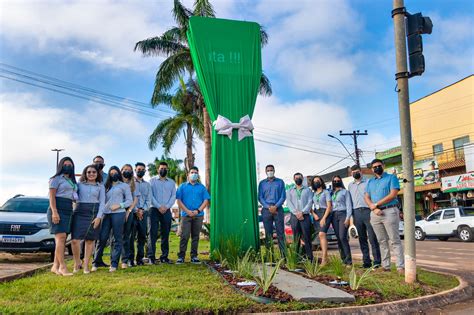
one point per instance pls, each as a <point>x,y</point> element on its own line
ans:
<point>398,15</point>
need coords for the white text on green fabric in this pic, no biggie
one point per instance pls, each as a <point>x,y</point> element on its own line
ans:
<point>232,57</point>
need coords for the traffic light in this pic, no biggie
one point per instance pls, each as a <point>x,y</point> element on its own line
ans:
<point>417,24</point>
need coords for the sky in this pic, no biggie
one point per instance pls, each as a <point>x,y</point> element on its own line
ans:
<point>331,65</point>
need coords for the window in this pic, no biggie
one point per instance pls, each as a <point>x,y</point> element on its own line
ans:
<point>435,216</point>
<point>437,149</point>
<point>458,145</point>
<point>448,214</point>
<point>33,205</point>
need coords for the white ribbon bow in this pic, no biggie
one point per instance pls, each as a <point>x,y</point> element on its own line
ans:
<point>224,126</point>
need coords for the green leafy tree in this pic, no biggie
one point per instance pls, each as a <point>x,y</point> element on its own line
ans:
<point>187,121</point>
<point>175,170</point>
<point>173,44</point>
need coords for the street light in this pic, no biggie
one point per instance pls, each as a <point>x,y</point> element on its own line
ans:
<point>350,154</point>
<point>57,155</point>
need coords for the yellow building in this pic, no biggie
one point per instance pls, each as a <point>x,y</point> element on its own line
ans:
<point>442,123</point>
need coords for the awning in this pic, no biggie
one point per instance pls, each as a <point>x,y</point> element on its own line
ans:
<point>433,186</point>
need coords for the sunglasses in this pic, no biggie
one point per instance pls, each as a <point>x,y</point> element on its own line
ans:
<point>91,172</point>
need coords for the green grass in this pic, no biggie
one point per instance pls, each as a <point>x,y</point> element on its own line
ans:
<point>173,288</point>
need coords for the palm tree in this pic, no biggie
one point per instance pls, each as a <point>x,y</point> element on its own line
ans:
<point>173,44</point>
<point>187,120</point>
<point>175,171</point>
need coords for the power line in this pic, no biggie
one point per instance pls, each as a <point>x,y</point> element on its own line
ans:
<point>332,165</point>
<point>296,148</point>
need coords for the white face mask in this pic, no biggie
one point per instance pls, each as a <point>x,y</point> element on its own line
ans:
<point>270,174</point>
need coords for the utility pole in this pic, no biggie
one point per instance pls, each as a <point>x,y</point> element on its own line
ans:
<point>402,75</point>
<point>57,155</point>
<point>354,134</point>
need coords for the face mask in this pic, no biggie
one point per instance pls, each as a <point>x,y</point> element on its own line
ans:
<point>270,174</point>
<point>100,166</point>
<point>378,170</point>
<point>194,177</point>
<point>316,185</point>
<point>299,181</point>
<point>337,184</point>
<point>163,172</point>
<point>67,169</point>
<point>141,174</point>
<point>127,174</point>
<point>356,175</point>
<point>115,177</point>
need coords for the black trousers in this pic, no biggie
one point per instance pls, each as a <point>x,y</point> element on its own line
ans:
<point>161,221</point>
<point>338,219</point>
<point>366,232</point>
<point>302,229</point>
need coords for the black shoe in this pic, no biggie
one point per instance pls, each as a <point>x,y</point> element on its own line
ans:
<point>140,262</point>
<point>180,261</point>
<point>195,260</point>
<point>102,264</point>
<point>367,266</point>
<point>166,261</point>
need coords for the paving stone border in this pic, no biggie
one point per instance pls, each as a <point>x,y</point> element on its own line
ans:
<point>25,273</point>
<point>460,293</point>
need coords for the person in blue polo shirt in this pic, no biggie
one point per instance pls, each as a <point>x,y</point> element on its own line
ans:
<point>381,197</point>
<point>192,199</point>
<point>272,195</point>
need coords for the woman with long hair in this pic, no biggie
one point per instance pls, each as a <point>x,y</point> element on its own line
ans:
<point>342,212</point>
<point>118,198</point>
<point>322,215</point>
<point>87,215</point>
<point>62,192</point>
<point>128,249</point>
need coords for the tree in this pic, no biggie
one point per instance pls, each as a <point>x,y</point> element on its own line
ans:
<point>186,120</point>
<point>175,171</point>
<point>173,44</point>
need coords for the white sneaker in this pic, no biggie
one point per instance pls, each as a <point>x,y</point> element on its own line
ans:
<point>112,269</point>
<point>124,266</point>
<point>94,269</point>
<point>86,272</point>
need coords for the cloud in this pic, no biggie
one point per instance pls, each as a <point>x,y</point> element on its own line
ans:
<point>102,32</point>
<point>303,124</point>
<point>30,129</point>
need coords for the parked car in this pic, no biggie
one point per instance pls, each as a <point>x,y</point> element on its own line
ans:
<point>401,225</point>
<point>458,222</point>
<point>24,226</point>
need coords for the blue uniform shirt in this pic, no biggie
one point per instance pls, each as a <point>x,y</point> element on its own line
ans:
<point>341,201</point>
<point>320,199</point>
<point>144,199</point>
<point>163,192</point>
<point>192,196</point>
<point>92,193</point>
<point>271,192</point>
<point>119,193</point>
<point>378,188</point>
<point>65,188</point>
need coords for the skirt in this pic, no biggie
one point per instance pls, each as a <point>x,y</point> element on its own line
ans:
<point>82,226</point>
<point>64,206</point>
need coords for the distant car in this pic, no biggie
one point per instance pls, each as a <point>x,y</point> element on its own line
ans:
<point>24,226</point>
<point>443,224</point>
<point>401,225</point>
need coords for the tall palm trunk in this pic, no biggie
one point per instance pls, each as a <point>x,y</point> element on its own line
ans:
<point>189,147</point>
<point>207,153</point>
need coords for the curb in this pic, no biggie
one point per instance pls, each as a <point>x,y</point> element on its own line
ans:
<point>24,274</point>
<point>460,293</point>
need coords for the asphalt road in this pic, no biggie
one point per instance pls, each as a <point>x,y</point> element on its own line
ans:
<point>452,256</point>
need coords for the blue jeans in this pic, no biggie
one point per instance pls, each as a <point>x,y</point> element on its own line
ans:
<point>157,220</point>
<point>279,220</point>
<point>115,223</point>
<point>128,242</point>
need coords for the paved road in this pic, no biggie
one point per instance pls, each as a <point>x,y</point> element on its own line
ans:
<point>452,256</point>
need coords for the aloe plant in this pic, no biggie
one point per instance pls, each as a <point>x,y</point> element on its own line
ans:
<point>264,275</point>
<point>312,268</point>
<point>292,256</point>
<point>337,266</point>
<point>245,266</point>
<point>354,281</point>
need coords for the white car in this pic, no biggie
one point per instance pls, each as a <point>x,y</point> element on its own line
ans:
<point>24,226</point>
<point>458,222</point>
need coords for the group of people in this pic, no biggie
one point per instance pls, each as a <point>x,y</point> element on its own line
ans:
<point>119,207</point>
<point>372,204</point>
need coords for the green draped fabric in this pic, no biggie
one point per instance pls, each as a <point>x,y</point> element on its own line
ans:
<point>227,57</point>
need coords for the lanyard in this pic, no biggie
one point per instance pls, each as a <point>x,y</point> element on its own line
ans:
<point>334,196</point>
<point>298,193</point>
<point>70,183</point>
<point>318,196</point>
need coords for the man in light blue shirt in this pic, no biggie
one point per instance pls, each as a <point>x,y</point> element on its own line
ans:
<point>163,197</point>
<point>299,200</point>
<point>192,198</point>
<point>361,214</point>
<point>381,197</point>
<point>139,230</point>
<point>271,195</point>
